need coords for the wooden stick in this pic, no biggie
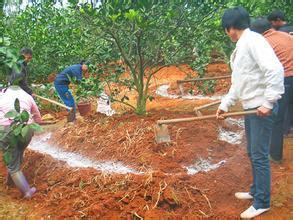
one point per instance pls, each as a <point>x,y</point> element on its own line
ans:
<point>207,105</point>
<point>178,120</point>
<point>202,79</point>
<point>53,101</point>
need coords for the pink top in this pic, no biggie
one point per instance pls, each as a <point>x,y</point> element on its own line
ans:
<point>26,103</point>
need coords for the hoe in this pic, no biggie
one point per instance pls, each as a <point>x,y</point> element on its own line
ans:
<point>161,129</point>
<point>180,82</point>
<point>71,114</point>
<point>197,109</point>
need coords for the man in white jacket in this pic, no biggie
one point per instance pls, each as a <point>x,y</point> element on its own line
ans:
<point>257,81</point>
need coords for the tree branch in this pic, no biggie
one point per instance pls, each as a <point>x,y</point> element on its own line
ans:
<point>125,57</point>
<point>140,61</point>
<point>205,18</point>
<point>125,103</point>
<point>150,77</point>
<point>130,47</point>
<point>117,100</point>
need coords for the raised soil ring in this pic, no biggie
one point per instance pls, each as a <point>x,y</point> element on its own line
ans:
<point>41,144</point>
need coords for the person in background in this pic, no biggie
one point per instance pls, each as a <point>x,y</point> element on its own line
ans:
<point>27,55</point>
<point>258,82</point>
<point>277,19</point>
<point>27,103</point>
<point>64,78</point>
<point>282,43</point>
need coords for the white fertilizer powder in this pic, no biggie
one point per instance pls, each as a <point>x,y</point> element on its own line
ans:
<point>230,136</point>
<point>163,91</point>
<point>40,144</point>
<point>203,165</point>
<point>234,121</point>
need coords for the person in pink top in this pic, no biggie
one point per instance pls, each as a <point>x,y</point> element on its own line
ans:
<point>27,103</point>
<point>7,99</point>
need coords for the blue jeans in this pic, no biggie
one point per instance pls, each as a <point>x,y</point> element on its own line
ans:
<point>258,134</point>
<point>276,148</point>
<point>65,95</point>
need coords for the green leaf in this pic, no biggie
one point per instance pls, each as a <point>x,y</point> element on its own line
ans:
<point>35,127</point>
<point>131,15</point>
<point>25,131</point>
<point>11,114</point>
<point>13,141</point>
<point>7,157</point>
<point>114,17</point>
<point>24,116</point>
<point>151,98</point>
<point>17,118</point>
<point>17,130</point>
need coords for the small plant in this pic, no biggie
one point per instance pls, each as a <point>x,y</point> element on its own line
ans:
<point>207,87</point>
<point>88,87</point>
<point>19,129</point>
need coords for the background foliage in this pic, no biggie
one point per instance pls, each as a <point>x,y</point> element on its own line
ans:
<point>8,54</point>
<point>137,36</point>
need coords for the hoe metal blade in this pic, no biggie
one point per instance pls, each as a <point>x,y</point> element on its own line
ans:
<point>180,86</point>
<point>162,133</point>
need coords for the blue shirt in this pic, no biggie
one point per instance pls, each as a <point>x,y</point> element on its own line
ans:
<point>73,71</point>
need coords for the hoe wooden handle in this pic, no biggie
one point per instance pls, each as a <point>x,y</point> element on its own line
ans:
<point>202,79</point>
<point>53,101</point>
<point>178,120</point>
<point>207,105</point>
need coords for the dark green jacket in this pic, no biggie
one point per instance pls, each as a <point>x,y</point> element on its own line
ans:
<point>24,72</point>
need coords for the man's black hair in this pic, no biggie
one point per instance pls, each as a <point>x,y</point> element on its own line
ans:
<point>276,15</point>
<point>86,62</point>
<point>237,18</point>
<point>26,50</point>
<point>260,25</point>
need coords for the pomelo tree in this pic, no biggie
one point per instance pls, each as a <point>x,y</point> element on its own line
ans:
<point>150,35</point>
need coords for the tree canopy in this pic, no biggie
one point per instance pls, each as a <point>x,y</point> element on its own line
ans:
<point>139,37</point>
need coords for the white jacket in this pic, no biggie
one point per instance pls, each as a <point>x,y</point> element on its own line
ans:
<point>257,74</point>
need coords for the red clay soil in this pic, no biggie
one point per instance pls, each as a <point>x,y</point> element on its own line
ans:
<point>212,70</point>
<point>170,75</point>
<point>57,115</point>
<point>164,191</point>
<point>217,69</point>
<point>90,193</point>
<point>221,87</point>
<point>120,138</point>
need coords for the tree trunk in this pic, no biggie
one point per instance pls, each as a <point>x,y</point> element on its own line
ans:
<point>141,104</point>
